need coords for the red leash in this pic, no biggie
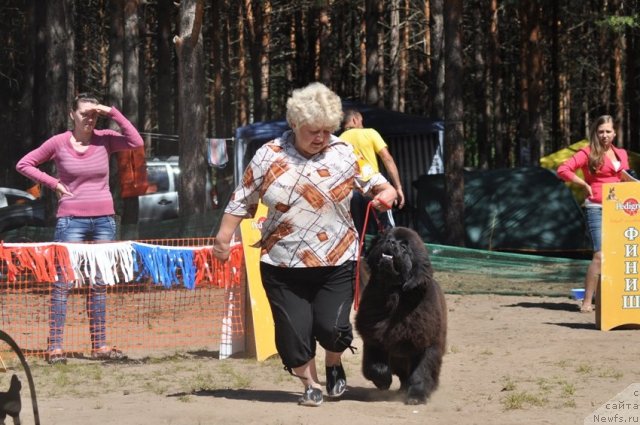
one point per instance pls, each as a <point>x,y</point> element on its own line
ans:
<point>356,295</point>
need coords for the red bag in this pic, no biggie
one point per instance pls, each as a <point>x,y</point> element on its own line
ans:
<point>132,168</point>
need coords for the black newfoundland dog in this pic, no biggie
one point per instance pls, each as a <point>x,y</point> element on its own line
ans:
<point>402,317</point>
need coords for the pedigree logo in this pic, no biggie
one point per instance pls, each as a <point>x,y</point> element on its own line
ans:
<point>629,206</point>
<point>258,223</point>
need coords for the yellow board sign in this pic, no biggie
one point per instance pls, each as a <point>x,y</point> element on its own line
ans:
<point>263,327</point>
<point>619,294</point>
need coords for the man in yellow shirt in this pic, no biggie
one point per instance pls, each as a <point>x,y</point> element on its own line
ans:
<point>368,144</point>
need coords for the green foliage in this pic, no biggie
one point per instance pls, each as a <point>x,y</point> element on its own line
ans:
<point>619,24</point>
<point>576,75</point>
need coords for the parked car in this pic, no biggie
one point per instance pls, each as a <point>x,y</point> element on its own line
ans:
<point>161,200</point>
<point>19,208</point>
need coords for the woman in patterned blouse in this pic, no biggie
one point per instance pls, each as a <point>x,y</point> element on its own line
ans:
<point>309,243</point>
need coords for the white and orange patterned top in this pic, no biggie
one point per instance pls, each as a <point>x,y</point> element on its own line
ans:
<point>308,223</point>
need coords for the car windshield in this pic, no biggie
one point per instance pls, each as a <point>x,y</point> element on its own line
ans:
<point>157,177</point>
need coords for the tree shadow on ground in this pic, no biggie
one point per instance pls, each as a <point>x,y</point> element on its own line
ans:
<point>547,305</point>
<point>588,326</point>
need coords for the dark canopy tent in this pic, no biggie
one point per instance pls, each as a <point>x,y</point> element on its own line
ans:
<point>414,142</point>
<point>516,210</point>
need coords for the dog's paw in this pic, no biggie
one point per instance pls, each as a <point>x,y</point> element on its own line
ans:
<point>379,374</point>
<point>413,401</point>
<point>382,382</point>
<point>415,396</point>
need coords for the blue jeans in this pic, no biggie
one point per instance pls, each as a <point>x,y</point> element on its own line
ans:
<point>79,229</point>
<point>594,225</point>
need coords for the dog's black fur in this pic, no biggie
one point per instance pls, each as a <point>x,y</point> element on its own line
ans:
<point>402,317</point>
<point>10,403</point>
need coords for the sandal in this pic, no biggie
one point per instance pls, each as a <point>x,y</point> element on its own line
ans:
<point>108,354</point>
<point>57,358</point>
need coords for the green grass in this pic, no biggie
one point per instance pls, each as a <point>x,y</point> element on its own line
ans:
<point>523,400</point>
<point>584,369</point>
<point>550,392</point>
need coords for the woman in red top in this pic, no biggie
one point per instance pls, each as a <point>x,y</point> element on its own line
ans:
<point>600,162</point>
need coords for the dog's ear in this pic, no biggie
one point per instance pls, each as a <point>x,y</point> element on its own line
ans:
<point>420,269</point>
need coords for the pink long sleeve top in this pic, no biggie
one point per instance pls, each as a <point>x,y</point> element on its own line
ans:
<point>606,174</point>
<point>85,174</point>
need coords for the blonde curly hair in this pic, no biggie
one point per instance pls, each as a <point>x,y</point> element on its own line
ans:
<point>315,105</point>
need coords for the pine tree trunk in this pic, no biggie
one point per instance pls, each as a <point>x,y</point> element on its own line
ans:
<point>454,115</point>
<point>374,72</point>
<point>54,75</point>
<point>116,90</point>
<point>243,85</point>
<point>131,90</point>
<point>394,52</point>
<point>191,109</point>
<point>500,158</point>
<point>535,83</point>
<point>166,99</point>
<point>436,80</point>
<point>618,57</point>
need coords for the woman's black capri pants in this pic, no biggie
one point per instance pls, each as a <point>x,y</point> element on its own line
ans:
<point>309,304</point>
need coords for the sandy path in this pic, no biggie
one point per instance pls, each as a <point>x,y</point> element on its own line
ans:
<point>511,359</point>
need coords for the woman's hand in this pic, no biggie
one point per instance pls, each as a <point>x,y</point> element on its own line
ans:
<point>400,200</point>
<point>61,190</point>
<point>385,198</point>
<point>583,184</point>
<point>102,110</point>
<point>222,243</point>
<point>221,249</point>
<point>587,190</point>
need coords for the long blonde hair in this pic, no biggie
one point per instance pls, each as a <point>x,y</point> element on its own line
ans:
<point>596,156</point>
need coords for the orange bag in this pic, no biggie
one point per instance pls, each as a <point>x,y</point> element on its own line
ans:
<point>132,168</point>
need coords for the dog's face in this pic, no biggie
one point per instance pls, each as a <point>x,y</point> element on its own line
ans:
<point>396,256</point>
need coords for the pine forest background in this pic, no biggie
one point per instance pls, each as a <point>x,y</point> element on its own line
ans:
<point>513,80</point>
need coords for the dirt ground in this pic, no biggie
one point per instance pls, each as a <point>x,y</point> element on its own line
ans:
<point>510,360</point>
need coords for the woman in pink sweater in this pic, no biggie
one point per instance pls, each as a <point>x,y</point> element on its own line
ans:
<point>600,162</point>
<point>85,205</point>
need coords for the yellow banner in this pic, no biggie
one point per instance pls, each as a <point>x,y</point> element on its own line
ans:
<point>619,294</point>
<point>263,327</point>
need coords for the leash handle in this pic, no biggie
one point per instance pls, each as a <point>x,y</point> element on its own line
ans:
<point>387,206</point>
